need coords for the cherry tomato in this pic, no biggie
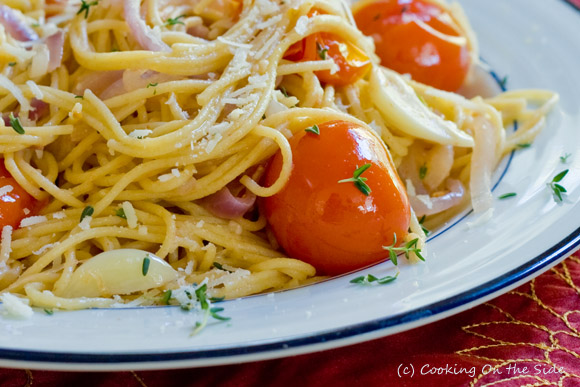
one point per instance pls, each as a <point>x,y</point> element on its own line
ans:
<point>352,62</point>
<point>13,203</point>
<point>416,37</point>
<point>330,224</point>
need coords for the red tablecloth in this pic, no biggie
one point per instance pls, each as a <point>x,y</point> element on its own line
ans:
<point>530,336</point>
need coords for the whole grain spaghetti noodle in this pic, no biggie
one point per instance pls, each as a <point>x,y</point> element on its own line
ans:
<point>137,117</point>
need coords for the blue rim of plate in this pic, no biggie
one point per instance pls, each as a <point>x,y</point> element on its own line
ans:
<point>541,261</point>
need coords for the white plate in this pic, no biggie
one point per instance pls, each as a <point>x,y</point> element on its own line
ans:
<point>535,43</point>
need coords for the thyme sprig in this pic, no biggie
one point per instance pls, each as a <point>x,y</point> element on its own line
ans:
<point>86,6</point>
<point>16,125</point>
<point>321,51</point>
<point>313,129</point>
<point>359,181</point>
<point>558,189</point>
<point>175,20</point>
<point>407,249</point>
<point>370,279</point>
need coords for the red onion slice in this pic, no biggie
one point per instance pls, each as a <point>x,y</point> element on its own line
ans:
<point>39,109</point>
<point>427,205</point>
<point>227,206</point>
<point>97,82</point>
<point>141,32</point>
<point>55,44</point>
<point>15,25</point>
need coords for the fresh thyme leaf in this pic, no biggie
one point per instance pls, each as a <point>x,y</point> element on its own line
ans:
<point>503,82</point>
<point>359,171</point>
<point>49,312</point>
<point>216,299</point>
<point>87,211</point>
<point>202,296</point>
<point>121,213</point>
<point>313,129</point>
<point>564,159</point>
<point>16,125</point>
<point>85,7</point>
<point>507,195</point>
<point>427,232</point>
<point>393,257</point>
<point>214,313</point>
<point>218,265</point>
<point>422,171</point>
<point>369,279</point>
<point>166,297</point>
<point>263,116</point>
<point>35,25</point>
<point>11,64</point>
<point>407,249</point>
<point>283,91</point>
<point>174,21</point>
<point>152,84</point>
<point>524,145</point>
<point>359,181</point>
<point>79,96</point>
<point>321,51</point>
<point>560,176</point>
<point>145,266</point>
<point>558,189</point>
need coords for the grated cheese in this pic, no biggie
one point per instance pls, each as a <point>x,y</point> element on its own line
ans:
<point>32,220</point>
<point>15,307</point>
<point>59,215</point>
<point>44,248</point>
<point>26,211</point>
<point>6,189</point>
<point>166,177</point>
<point>234,44</point>
<point>140,133</point>
<point>302,25</point>
<point>130,214</point>
<point>6,246</point>
<point>175,172</point>
<point>86,223</point>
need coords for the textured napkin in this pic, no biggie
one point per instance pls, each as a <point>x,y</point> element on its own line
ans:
<point>529,336</point>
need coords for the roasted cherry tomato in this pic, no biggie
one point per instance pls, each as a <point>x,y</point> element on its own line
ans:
<point>416,37</point>
<point>322,215</point>
<point>13,203</point>
<point>352,62</point>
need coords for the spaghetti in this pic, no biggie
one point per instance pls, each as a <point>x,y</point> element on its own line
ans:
<point>134,124</point>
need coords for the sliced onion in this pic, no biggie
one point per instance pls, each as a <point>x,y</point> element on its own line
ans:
<point>39,109</point>
<point>408,170</point>
<point>97,82</point>
<point>439,163</point>
<point>141,32</point>
<point>15,26</point>
<point>225,205</point>
<point>482,163</point>
<point>138,79</point>
<point>428,205</point>
<point>55,44</point>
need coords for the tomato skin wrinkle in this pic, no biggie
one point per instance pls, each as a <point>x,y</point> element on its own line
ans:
<point>13,203</point>
<point>405,42</point>
<point>331,225</point>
